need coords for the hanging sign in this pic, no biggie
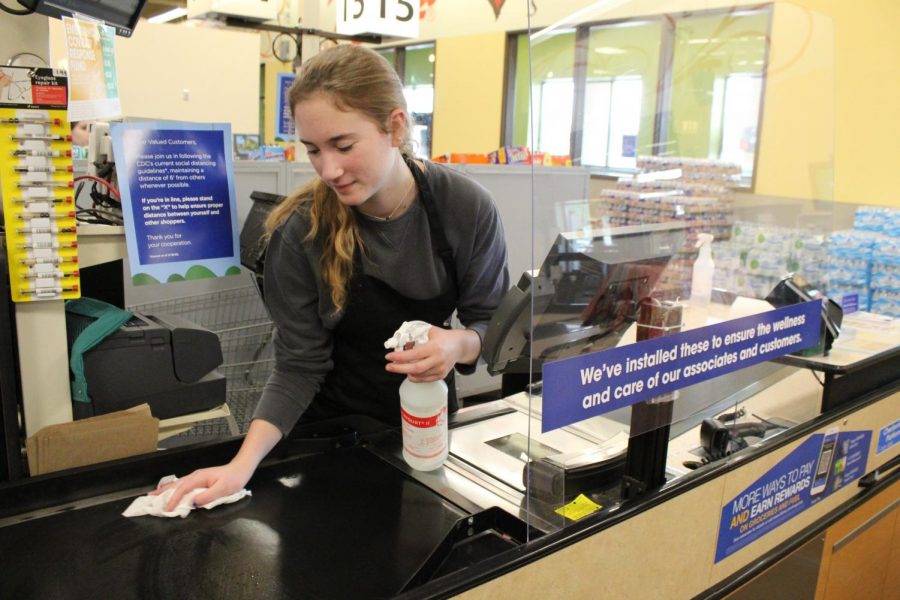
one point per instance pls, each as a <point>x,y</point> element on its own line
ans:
<point>284,123</point>
<point>93,83</point>
<point>395,18</point>
<point>177,187</point>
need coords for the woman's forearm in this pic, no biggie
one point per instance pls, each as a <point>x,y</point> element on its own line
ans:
<point>261,438</point>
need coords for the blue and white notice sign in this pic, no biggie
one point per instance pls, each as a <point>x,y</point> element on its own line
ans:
<point>177,189</point>
<point>821,465</point>
<point>593,384</point>
<point>284,127</point>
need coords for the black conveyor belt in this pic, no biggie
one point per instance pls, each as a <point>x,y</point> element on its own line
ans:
<point>341,524</point>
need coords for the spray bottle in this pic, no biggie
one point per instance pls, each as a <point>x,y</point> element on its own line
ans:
<point>423,407</point>
<point>701,282</point>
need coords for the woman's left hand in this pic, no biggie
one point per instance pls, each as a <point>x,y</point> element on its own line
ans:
<point>432,360</point>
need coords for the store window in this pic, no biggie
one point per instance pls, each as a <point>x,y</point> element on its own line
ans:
<point>600,95</point>
<point>717,75</point>
<point>552,90</point>
<point>390,54</point>
<point>415,65</point>
<point>622,67</point>
<point>612,119</point>
<point>553,103</point>
<point>739,117</point>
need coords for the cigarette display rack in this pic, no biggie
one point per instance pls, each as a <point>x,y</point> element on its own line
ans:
<point>37,185</point>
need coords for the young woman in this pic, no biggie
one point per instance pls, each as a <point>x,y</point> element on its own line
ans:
<point>377,239</point>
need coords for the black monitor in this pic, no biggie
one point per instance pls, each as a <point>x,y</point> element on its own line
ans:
<point>253,242</point>
<point>121,14</point>
<point>583,297</point>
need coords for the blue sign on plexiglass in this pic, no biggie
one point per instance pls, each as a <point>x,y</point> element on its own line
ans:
<point>593,384</point>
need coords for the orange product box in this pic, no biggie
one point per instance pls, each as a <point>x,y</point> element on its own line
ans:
<point>511,155</point>
<point>469,158</point>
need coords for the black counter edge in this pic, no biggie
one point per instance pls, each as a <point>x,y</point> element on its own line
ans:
<point>506,562</point>
<point>64,488</point>
<point>59,489</point>
<point>740,578</point>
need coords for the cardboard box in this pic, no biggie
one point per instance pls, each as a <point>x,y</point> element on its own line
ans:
<point>94,440</point>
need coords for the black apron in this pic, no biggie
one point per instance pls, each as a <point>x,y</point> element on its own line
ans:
<point>358,383</point>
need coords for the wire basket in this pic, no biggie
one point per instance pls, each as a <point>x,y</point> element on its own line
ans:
<point>216,311</point>
<point>247,375</point>
<point>240,320</point>
<point>249,343</point>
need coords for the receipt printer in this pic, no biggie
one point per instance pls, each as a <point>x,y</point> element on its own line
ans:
<point>163,360</point>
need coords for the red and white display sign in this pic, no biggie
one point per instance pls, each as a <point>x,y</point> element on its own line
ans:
<point>395,18</point>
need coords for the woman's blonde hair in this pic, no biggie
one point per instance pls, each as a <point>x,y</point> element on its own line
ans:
<point>360,80</point>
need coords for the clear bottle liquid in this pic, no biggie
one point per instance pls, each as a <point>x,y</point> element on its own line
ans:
<point>423,419</point>
<point>702,278</point>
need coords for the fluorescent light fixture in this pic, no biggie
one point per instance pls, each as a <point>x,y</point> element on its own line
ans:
<point>169,15</point>
<point>609,50</point>
<point>594,9</point>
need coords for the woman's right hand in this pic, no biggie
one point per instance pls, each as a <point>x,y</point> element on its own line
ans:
<point>226,479</point>
<point>219,481</point>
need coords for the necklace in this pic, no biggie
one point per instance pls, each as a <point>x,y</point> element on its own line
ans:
<point>402,202</point>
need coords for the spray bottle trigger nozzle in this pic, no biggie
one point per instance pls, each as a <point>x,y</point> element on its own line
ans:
<point>703,239</point>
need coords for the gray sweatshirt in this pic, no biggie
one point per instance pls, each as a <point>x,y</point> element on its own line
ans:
<point>398,252</point>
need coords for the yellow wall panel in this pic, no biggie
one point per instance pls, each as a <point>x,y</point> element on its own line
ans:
<point>468,98</point>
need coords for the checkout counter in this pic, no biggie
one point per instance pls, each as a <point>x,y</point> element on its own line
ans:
<point>336,513</point>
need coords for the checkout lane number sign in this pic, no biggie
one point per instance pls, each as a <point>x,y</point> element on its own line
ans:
<point>396,18</point>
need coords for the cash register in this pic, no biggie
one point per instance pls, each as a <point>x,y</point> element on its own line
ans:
<point>163,360</point>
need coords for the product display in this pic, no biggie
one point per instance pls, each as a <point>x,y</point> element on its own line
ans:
<point>668,189</point>
<point>864,262</point>
<point>757,256</point>
<point>507,155</point>
<point>37,185</point>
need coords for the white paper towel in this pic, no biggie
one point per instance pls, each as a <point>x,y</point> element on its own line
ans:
<point>155,505</point>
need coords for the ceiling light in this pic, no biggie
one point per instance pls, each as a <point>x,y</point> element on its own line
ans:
<point>170,15</point>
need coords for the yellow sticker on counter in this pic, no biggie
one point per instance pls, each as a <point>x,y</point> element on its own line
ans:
<point>578,508</point>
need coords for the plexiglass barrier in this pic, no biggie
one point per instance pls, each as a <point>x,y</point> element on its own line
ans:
<point>629,130</point>
<point>658,306</point>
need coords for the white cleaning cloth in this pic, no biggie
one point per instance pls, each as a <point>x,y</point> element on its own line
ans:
<point>155,505</point>
<point>415,332</point>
